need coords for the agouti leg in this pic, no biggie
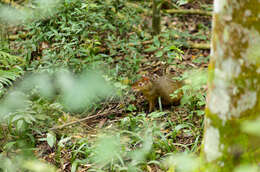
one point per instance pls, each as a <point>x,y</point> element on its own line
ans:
<point>151,105</point>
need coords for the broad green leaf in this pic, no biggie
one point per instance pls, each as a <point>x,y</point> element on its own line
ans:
<point>51,139</point>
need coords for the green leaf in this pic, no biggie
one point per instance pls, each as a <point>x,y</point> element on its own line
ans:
<point>51,139</point>
<point>20,126</point>
<point>9,145</point>
<point>74,166</point>
<point>156,41</point>
<point>151,49</point>
<point>200,112</point>
<point>182,2</point>
<point>159,54</point>
<point>157,114</point>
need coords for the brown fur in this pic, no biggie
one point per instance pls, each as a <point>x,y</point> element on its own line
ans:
<point>161,87</point>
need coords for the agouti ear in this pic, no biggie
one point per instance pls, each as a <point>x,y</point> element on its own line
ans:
<point>144,78</point>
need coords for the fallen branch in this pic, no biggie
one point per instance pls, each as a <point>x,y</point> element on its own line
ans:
<point>143,43</point>
<point>81,120</point>
<point>201,46</point>
<point>17,36</point>
<point>191,11</point>
<point>136,6</point>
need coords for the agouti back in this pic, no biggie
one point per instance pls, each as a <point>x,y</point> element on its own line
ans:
<point>161,87</point>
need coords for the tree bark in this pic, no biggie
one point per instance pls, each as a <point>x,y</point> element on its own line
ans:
<point>234,84</point>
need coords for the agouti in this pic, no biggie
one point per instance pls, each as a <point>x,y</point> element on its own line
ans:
<point>161,87</point>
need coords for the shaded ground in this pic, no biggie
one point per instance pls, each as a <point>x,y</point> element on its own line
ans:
<point>182,128</point>
<point>188,138</point>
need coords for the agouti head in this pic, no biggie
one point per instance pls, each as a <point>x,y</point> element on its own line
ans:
<point>143,84</point>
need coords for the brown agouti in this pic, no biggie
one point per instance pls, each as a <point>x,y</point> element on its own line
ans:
<point>161,87</point>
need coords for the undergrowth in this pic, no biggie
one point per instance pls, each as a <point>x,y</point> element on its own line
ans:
<point>104,37</point>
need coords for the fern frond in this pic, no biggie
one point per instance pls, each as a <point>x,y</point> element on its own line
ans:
<point>7,77</point>
<point>7,59</point>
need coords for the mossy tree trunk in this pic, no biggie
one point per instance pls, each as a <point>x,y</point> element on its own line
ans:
<point>156,18</point>
<point>234,84</point>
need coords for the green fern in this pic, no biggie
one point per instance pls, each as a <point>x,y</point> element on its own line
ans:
<point>7,60</point>
<point>10,68</point>
<point>6,77</point>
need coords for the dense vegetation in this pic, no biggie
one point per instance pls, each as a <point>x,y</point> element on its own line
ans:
<point>66,77</point>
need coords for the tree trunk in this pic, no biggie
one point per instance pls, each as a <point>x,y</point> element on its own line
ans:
<point>156,18</point>
<point>234,84</point>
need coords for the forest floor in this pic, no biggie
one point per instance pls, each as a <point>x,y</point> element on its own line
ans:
<point>183,46</point>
